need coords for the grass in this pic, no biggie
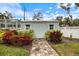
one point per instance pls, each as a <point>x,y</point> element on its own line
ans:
<point>70,38</point>
<point>67,49</point>
<point>12,51</point>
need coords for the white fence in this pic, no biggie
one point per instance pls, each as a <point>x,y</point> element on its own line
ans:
<point>68,31</point>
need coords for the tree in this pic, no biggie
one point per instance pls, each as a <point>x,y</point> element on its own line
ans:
<point>77,4</point>
<point>68,22</point>
<point>76,22</point>
<point>59,18</point>
<point>38,16</point>
<point>7,15</point>
<point>34,16</point>
<point>4,16</point>
<point>66,7</point>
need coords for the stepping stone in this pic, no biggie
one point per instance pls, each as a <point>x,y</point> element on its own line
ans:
<point>42,48</point>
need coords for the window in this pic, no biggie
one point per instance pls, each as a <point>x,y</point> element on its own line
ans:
<point>2,25</point>
<point>10,25</point>
<point>27,26</point>
<point>14,25</point>
<point>19,26</point>
<point>51,26</point>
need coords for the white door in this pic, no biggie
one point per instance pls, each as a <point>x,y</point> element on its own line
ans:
<point>39,30</point>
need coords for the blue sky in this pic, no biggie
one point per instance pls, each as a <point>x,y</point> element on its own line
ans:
<point>49,10</point>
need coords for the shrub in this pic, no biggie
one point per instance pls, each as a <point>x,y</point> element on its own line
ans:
<point>17,37</point>
<point>28,32</point>
<point>7,37</point>
<point>14,32</point>
<point>1,35</point>
<point>53,36</point>
<point>25,40</point>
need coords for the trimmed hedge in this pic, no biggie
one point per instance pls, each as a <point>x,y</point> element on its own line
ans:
<point>53,36</point>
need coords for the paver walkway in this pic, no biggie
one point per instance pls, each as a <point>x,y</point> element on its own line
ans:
<point>40,47</point>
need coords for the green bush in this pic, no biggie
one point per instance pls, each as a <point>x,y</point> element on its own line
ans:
<point>19,37</point>
<point>53,36</point>
<point>28,32</point>
<point>1,35</point>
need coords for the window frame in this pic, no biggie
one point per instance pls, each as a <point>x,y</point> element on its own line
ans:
<point>27,26</point>
<point>2,25</point>
<point>51,26</point>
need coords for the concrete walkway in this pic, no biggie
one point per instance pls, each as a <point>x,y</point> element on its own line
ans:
<point>40,47</point>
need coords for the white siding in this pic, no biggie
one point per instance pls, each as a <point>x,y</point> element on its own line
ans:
<point>39,28</point>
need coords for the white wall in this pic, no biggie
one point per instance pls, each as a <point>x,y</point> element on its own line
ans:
<point>39,28</point>
<point>67,31</point>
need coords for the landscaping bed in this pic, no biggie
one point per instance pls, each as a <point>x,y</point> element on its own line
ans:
<point>18,40</point>
<point>64,46</point>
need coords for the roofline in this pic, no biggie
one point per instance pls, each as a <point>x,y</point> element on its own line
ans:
<point>33,21</point>
<point>39,21</point>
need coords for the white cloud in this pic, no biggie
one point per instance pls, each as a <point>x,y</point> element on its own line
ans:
<point>72,5</point>
<point>56,12</point>
<point>17,11</point>
<point>29,15</point>
<point>50,8</point>
<point>58,6</point>
<point>75,13</point>
<point>48,11</point>
<point>37,9</point>
<point>48,16</point>
<point>59,15</point>
<point>13,8</point>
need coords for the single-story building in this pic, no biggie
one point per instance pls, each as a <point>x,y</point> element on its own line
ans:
<point>39,26</point>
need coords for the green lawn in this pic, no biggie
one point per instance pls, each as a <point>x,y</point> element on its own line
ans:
<point>67,49</point>
<point>12,51</point>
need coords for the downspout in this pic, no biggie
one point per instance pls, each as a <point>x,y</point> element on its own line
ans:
<point>16,24</point>
<point>5,22</point>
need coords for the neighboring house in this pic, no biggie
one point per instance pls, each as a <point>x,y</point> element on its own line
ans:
<point>39,27</point>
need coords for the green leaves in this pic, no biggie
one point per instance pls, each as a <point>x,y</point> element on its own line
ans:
<point>53,36</point>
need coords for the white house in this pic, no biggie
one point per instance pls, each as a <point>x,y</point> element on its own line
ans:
<point>39,27</point>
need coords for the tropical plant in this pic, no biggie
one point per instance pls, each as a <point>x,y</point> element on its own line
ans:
<point>53,36</point>
<point>59,18</point>
<point>66,7</point>
<point>19,38</point>
<point>28,32</point>
<point>38,16</point>
<point>1,35</point>
<point>6,15</point>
